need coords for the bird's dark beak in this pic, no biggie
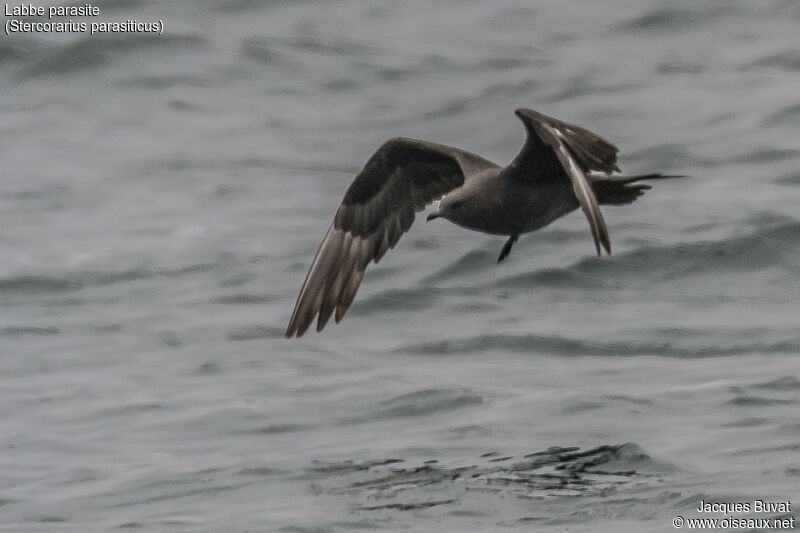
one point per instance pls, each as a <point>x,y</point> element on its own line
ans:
<point>433,215</point>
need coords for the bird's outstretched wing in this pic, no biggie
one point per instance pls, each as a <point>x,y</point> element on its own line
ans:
<point>401,178</point>
<point>554,150</point>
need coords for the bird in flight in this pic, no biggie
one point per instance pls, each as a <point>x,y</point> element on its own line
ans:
<point>560,167</point>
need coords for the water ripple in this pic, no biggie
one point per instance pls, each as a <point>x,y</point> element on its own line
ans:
<point>562,471</point>
<point>707,345</point>
<point>37,285</point>
<point>18,331</point>
<point>420,403</point>
<point>788,61</point>
<point>255,332</point>
<point>769,246</point>
<point>94,51</point>
<point>670,19</point>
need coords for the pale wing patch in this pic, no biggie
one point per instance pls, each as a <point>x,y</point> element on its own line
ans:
<point>585,194</point>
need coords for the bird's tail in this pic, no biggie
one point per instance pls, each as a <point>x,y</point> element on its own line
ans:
<point>622,190</point>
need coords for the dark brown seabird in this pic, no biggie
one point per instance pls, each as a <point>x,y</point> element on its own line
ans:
<point>561,167</point>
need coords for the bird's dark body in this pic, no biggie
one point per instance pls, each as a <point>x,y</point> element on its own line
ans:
<point>519,207</point>
<point>516,207</point>
<point>560,167</point>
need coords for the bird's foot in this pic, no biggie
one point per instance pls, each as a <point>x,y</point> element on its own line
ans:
<point>507,247</point>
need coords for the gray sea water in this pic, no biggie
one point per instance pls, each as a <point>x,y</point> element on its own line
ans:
<point>162,196</point>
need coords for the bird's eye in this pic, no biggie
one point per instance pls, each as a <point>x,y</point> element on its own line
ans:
<point>456,205</point>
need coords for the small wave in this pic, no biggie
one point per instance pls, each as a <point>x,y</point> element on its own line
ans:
<point>407,506</point>
<point>277,429</point>
<point>243,299</point>
<point>502,63</point>
<point>238,6</point>
<point>132,409</point>
<point>168,81</point>
<point>9,51</point>
<point>788,61</point>
<point>347,467</point>
<point>262,471</point>
<point>339,85</point>
<point>209,368</point>
<point>46,192</point>
<point>100,278</point>
<point>704,345</point>
<point>512,343</point>
<point>260,50</point>
<point>438,64</point>
<point>21,50</point>
<point>400,485</point>
<point>508,89</point>
<point>581,406</point>
<point>95,51</point>
<point>766,155</point>
<point>757,401</point>
<point>547,277</point>
<point>328,45</point>
<point>792,178</point>
<point>110,277</point>
<point>395,300</point>
<point>583,85</point>
<point>37,285</point>
<point>679,66</point>
<point>472,261</point>
<point>505,90</point>
<point>769,245</point>
<point>177,272</point>
<point>255,332</point>
<point>454,107</point>
<point>171,339</point>
<point>421,403</point>
<point>165,491</point>
<point>753,396</point>
<point>282,50</point>
<point>19,331</point>
<point>748,422</point>
<point>786,115</point>
<point>670,19</point>
<point>669,155</point>
<point>51,519</point>
<point>237,279</point>
<point>786,383</point>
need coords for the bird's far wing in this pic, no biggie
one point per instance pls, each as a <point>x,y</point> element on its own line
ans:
<point>401,178</point>
<point>577,151</point>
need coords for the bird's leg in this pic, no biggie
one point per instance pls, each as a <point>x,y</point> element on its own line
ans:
<point>507,247</point>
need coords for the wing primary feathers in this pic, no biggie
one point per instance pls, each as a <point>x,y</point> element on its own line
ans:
<point>588,201</point>
<point>567,151</point>
<point>401,178</point>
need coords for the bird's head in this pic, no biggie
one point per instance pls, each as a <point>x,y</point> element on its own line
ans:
<point>453,207</point>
